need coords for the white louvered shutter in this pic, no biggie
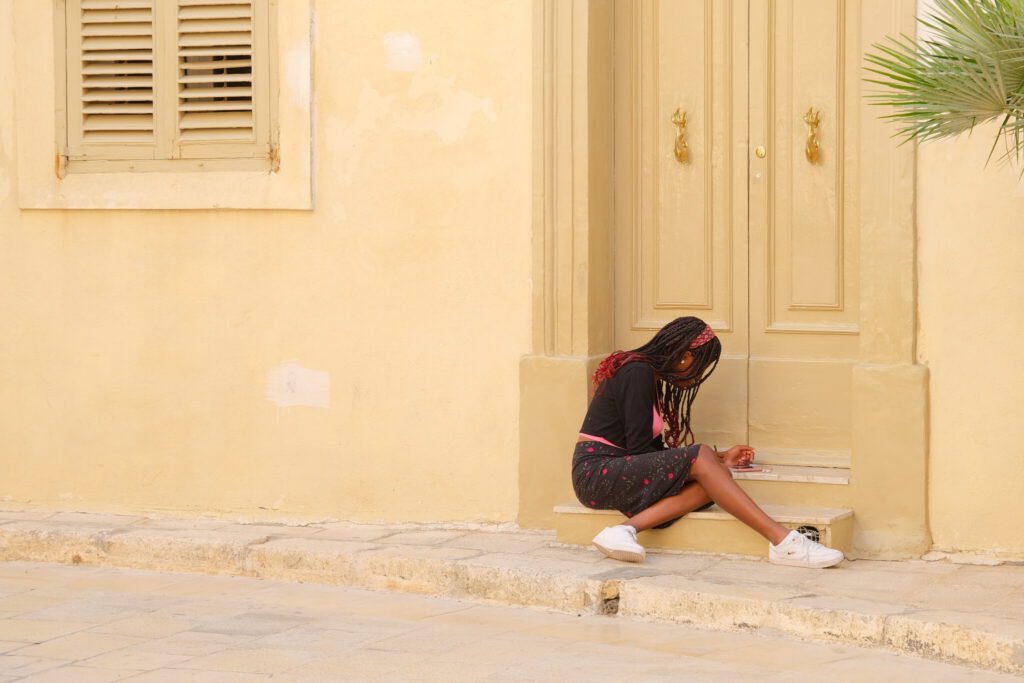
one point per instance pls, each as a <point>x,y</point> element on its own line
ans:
<point>168,79</point>
<point>111,100</point>
<point>215,70</point>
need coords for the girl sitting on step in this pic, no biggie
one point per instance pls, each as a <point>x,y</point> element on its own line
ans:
<point>636,454</point>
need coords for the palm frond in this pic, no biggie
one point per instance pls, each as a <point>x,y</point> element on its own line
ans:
<point>967,68</point>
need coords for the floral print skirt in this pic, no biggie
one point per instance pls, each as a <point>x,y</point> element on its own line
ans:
<point>608,478</point>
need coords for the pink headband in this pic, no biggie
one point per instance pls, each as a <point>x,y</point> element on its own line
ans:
<point>703,338</point>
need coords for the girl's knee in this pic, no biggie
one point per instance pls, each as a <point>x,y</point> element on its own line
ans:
<point>705,457</point>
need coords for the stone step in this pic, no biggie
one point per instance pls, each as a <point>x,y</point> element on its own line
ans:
<point>808,457</point>
<point>712,530</point>
<point>837,476</point>
<point>798,485</point>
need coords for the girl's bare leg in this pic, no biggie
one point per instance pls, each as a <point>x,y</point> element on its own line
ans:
<point>691,497</point>
<point>715,483</point>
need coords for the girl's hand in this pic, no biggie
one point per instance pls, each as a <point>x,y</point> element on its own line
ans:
<point>738,456</point>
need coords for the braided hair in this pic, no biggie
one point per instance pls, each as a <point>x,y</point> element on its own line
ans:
<point>676,390</point>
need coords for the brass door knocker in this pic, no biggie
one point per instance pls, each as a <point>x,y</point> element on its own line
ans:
<point>813,147</point>
<point>681,150</point>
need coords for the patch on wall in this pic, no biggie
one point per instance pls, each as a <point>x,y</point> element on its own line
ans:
<point>291,384</point>
<point>403,51</point>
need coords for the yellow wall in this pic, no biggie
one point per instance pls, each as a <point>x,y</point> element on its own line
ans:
<point>971,299</point>
<point>137,346</point>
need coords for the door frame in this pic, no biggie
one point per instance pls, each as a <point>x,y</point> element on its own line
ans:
<point>574,286</point>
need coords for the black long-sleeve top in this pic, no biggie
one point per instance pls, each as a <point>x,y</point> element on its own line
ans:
<point>623,409</point>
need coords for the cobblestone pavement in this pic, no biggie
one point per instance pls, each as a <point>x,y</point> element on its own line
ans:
<point>82,624</point>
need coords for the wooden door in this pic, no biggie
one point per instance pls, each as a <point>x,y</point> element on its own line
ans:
<point>763,248</point>
<point>803,238</point>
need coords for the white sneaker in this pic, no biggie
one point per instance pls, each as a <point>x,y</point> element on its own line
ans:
<point>619,543</point>
<point>796,550</point>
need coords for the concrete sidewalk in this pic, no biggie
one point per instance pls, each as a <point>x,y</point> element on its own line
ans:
<point>960,613</point>
<point>78,624</point>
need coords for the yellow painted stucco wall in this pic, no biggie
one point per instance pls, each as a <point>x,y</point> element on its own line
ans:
<point>971,302</point>
<point>359,360</point>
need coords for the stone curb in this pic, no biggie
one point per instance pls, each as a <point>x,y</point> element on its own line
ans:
<point>527,579</point>
<point>856,622</point>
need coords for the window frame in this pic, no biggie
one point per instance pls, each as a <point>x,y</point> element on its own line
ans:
<point>167,153</point>
<point>48,179</point>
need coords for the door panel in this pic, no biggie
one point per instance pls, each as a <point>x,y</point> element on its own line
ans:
<point>681,233</point>
<point>763,248</point>
<point>803,242</point>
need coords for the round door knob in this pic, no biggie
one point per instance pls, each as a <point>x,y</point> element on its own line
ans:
<point>761,152</point>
